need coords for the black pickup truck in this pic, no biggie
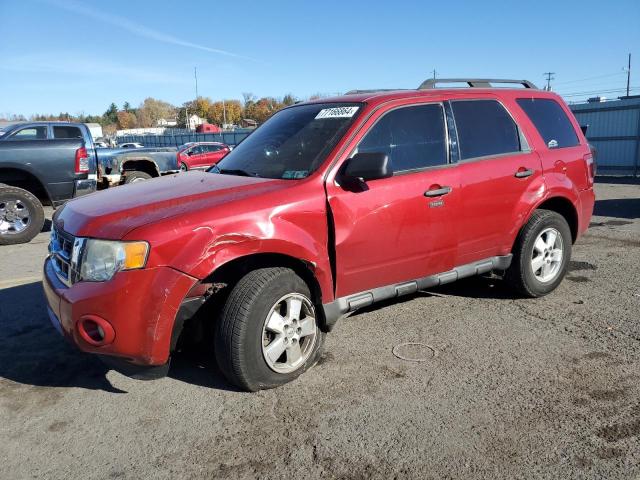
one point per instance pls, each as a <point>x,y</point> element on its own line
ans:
<point>41,163</point>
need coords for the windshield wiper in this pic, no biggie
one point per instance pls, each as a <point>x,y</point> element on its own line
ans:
<point>237,171</point>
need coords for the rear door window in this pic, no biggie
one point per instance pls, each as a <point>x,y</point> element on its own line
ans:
<point>30,133</point>
<point>66,132</point>
<point>552,122</point>
<point>484,129</point>
<point>413,137</point>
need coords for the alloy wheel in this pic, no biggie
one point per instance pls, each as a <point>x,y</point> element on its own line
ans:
<point>289,333</point>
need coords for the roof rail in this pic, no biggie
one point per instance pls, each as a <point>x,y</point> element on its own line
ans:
<point>474,82</point>
<point>373,90</point>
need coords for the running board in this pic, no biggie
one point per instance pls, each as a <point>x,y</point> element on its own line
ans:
<point>344,305</point>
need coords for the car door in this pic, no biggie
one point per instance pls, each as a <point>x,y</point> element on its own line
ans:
<point>499,175</point>
<point>218,152</point>
<point>389,231</point>
<point>197,157</point>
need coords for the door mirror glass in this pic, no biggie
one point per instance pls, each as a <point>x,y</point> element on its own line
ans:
<point>367,166</point>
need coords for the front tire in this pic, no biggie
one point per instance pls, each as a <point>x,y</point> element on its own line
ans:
<point>541,254</point>
<point>21,215</point>
<point>268,332</point>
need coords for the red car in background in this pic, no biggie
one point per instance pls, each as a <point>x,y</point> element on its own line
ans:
<point>201,155</point>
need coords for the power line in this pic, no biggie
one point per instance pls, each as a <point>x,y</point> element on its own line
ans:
<point>594,92</point>
<point>590,78</point>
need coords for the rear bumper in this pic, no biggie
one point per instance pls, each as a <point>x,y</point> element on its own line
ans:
<point>136,311</point>
<point>83,187</point>
<point>587,203</point>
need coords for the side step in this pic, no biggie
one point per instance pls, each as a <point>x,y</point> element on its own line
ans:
<point>344,305</point>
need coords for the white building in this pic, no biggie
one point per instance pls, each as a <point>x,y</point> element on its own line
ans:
<point>194,121</point>
<point>163,122</point>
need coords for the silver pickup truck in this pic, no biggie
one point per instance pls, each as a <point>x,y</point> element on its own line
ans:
<point>118,166</point>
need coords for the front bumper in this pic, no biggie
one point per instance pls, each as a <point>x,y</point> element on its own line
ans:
<point>137,308</point>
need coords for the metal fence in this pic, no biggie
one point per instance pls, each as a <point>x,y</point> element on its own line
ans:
<point>614,129</point>
<point>175,140</point>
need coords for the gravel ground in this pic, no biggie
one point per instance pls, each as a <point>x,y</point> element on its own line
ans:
<point>516,388</point>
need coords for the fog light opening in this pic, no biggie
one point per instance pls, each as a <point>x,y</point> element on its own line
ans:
<point>94,331</point>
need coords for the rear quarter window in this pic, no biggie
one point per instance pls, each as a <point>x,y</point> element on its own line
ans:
<point>66,132</point>
<point>552,122</point>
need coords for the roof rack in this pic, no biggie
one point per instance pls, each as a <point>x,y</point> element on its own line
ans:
<point>474,82</point>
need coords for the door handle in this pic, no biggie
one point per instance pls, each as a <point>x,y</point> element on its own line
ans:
<point>437,192</point>
<point>522,173</point>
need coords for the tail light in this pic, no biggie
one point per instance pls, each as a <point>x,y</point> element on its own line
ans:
<point>591,167</point>
<point>82,160</point>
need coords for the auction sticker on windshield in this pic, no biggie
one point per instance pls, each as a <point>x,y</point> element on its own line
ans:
<point>337,112</point>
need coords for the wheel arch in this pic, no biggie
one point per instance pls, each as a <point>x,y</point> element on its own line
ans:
<point>564,207</point>
<point>140,164</point>
<point>16,177</point>
<point>232,271</point>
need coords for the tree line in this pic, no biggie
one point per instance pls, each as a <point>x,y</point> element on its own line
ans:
<point>151,110</point>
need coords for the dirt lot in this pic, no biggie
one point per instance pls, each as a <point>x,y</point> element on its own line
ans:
<point>546,388</point>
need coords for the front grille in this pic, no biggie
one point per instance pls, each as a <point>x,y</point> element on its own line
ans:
<point>61,249</point>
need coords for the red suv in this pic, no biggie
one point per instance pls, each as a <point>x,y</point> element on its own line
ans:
<point>330,206</point>
<point>201,155</point>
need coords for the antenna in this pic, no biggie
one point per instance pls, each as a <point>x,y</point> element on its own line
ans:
<point>549,78</point>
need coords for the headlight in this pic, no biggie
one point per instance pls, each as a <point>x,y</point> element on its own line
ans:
<point>101,259</point>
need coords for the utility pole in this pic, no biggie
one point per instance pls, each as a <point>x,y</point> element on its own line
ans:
<point>434,73</point>
<point>628,74</point>
<point>195,74</point>
<point>549,78</point>
<point>224,113</point>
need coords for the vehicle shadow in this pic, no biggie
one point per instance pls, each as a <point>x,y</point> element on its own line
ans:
<point>619,180</point>
<point>33,353</point>
<point>618,207</point>
<point>489,287</point>
<point>472,287</point>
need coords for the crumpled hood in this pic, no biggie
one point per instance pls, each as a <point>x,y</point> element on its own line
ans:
<point>112,213</point>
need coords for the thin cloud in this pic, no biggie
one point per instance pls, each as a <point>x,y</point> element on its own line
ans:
<point>136,28</point>
<point>43,64</point>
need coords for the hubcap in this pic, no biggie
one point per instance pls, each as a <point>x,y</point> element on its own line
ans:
<point>548,251</point>
<point>289,333</point>
<point>15,217</point>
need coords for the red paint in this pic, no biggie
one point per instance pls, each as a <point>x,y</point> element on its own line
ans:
<point>197,222</point>
<point>198,155</point>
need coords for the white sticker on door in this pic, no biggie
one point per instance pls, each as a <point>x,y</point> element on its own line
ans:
<point>337,112</point>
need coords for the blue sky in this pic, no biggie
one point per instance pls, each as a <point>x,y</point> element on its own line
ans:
<point>79,56</point>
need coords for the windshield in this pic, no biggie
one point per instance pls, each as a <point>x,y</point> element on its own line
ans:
<point>292,144</point>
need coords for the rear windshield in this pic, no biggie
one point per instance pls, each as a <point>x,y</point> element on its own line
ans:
<point>291,144</point>
<point>551,121</point>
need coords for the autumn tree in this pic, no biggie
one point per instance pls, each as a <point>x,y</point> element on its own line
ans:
<point>152,110</point>
<point>229,111</point>
<point>126,120</point>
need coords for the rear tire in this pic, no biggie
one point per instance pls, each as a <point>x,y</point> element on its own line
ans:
<point>541,254</point>
<point>136,176</point>
<point>245,336</point>
<point>21,215</point>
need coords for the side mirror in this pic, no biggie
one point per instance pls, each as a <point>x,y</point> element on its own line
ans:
<point>190,152</point>
<point>367,166</point>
